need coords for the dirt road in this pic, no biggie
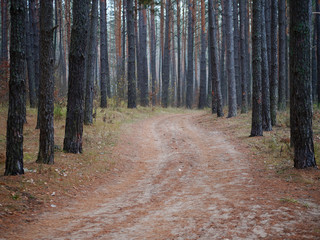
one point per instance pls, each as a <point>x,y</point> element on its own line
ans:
<point>180,181</point>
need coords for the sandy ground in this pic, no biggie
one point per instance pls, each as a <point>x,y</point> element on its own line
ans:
<point>178,180</point>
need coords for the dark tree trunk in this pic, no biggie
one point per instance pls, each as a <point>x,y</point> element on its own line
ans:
<point>46,88</point>
<point>300,84</point>
<point>123,67</point>
<point>103,55</point>
<point>232,93</point>
<point>266,117</point>
<point>131,56</point>
<point>173,60</point>
<point>211,103</point>
<point>108,81</point>
<point>203,69</point>
<point>248,57</point>
<point>318,48</point>
<point>88,109</point>
<point>268,31</point>
<point>314,64</point>
<point>30,64</point>
<point>179,55</point>
<point>256,128</point>
<point>74,120</point>
<point>224,83</point>
<point>17,105</point>
<point>274,62</point>
<point>282,55</point>
<point>214,63</point>
<point>4,31</point>
<point>243,56</point>
<point>237,50</point>
<point>189,97</point>
<point>153,56</point>
<point>166,59</point>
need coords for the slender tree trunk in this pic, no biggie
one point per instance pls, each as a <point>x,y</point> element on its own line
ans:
<point>232,94</point>
<point>243,56</point>
<point>4,32</point>
<point>274,62</point>
<point>17,91</point>
<point>88,110</point>
<point>203,70</point>
<point>103,53</point>
<point>189,97</point>
<point>256,129</point>
<point>314,64</point>
<point>214,63</point>
<point>46,89</point>
<point>266,117</point>
<point>179,55</point>
<point>300,84</point>
<point>166,59</point>
<point>30,64</point>
<point>131,56</point>
<point>153,56</point>
<point>224,82</point>
<point>282,55</point>
<point>318,48</point>
<point>237,51</point>
<point>74,120</point>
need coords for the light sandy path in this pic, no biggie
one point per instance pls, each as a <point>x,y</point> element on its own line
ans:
<point>181,182</point>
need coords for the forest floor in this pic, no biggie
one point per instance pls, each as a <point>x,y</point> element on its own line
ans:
<point>155,174</point>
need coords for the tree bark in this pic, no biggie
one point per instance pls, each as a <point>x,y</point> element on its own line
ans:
<point>266,117</point>
<point>232,93</point>
<point>4,31</point>
<point>243,56</point>
<point>190,75</point>
<point>179,55</point>
<point>131,56</point>
<point>153,56</point>
<point>256,128</point>
<point>237,51</point>
<point>274,63</point>
<point>88,109</point>
<point>14,147</point>
<point>282,55</point>
<point>318,49</point>
<point>46,88</point>
<point>300,84</point>
<point>74,120</point>
<point>103,53</point>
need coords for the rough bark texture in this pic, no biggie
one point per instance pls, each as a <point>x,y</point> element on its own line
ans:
<point>266,117</point>
<point>153,56</point>
<point>224,83</point>
<point>131,56</point>
<point>318,48</point>
<point>214,63</point>
<point>30,64</point>
<point>4,31</point>
<point>232,92</point>
<point>203,62</point>
<point>274,62</point>
<point>236,37</point>
<point>103,55</point>
<point>14,149</point>
<point>189,96</point>
<point>282,55</point>
<point>166,59</point>
<point>243,56</point>
<point>88,109</point>
<point>300,84</point>
<point>179,55</point>
<point>256,128</point>
<point>74,120</point>
<point>46,88</point>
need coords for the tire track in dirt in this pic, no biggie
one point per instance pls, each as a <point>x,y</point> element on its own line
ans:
<point>181,182</point>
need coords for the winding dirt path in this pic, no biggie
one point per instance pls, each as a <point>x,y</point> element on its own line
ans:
<point>180,182</point>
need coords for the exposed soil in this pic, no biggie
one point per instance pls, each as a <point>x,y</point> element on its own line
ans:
<point>176,178</point>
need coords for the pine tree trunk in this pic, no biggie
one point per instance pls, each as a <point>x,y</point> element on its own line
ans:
<point>179,55</point>
<point>88,109</point>
<point>232,93</point>
<point>153,56</point>
<point>74,120</point>
<point>266,117</point>
<point>103,53</point>
<point>237,51</point>
<point>46,88</point>
<point>214,63</point>
<point>243,56</point>
<point>189,96</point>
<point>4,32</point>
<point>274,62</point>
<point>203,70</point>
<point>300,83</point>
<point>282,55</point>
<point>131,56</point>
<point>256,129</point>
<point>14,147</point>
<point>224,82</point>
<point>318,48</point>
<point>166,59</point>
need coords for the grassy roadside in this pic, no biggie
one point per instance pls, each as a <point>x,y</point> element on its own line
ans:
<point>49,185</point>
